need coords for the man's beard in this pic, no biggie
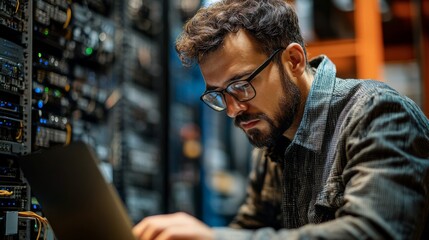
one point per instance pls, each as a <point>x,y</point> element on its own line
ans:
<point>283,118</point>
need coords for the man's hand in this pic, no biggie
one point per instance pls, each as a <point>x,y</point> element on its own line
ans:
<point>176,226</point>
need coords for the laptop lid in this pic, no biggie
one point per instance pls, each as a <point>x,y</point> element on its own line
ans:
<point>74,195</point>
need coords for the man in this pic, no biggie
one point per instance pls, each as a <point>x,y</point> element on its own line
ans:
<point>335,159</point>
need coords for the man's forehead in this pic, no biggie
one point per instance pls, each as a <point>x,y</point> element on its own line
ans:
<point>236,59</point>
<point>235,44</point>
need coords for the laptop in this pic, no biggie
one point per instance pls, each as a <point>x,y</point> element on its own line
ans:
<point>74,195</point>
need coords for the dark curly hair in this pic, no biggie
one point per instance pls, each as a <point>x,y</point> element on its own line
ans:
<point>273,23</point>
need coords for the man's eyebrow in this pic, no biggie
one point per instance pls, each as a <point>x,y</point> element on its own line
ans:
<point>232,79</point>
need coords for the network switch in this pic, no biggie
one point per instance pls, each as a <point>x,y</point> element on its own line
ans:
<point>11,67</point>
<point>12,15</point>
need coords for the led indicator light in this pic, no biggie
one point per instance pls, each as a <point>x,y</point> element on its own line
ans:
<point>40,104</point>
<point>88,51</point>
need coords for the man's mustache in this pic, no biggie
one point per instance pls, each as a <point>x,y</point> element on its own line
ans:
<point>247,117</point>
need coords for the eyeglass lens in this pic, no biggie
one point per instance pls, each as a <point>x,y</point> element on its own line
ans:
<point>241,90</point>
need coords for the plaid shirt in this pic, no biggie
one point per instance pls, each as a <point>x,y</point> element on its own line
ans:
<point>357,168</point>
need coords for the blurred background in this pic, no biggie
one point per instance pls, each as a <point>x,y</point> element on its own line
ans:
<point>105,72</point>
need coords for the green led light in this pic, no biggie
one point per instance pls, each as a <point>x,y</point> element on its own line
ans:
<point>39,54</point>
<point>57,93</point>
<point>46,32</point>
<point>88,51</point>
<point>46,89</point>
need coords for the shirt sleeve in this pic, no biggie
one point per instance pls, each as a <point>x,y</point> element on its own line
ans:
<point>386,177</point>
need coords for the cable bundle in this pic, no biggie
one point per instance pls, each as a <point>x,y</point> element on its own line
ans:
<point>40,220</point>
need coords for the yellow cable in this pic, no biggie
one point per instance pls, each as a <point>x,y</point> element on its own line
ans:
<point>33,215</point>
<point>69,15</point>
<point>42,222</point>
<point>17,6</point>
<point>45,230</point>
<point>19,134</point>
<point>39,230</point>
<point>69,134</point>
<point>5,193</point>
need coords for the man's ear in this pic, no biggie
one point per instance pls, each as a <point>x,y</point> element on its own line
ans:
<point>294,58</point>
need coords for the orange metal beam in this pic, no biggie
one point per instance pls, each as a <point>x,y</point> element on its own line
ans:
<point>369,42</point>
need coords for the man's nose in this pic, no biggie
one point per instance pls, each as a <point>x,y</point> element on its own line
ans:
<point>234,107</point>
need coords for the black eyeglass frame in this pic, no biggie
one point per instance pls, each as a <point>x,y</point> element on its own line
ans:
<point>248,80</point>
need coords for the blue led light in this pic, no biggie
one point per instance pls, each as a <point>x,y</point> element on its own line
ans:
<point>40,103</point>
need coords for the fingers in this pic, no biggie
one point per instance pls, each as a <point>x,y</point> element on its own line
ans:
<point>138,229</point>
<point>150,227</point>
<point>175,226</point>
<point>176,233</point>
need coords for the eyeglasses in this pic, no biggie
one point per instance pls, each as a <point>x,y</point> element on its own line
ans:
<point>241,90</point>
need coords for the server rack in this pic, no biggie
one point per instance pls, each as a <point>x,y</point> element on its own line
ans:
<point>85,70</point>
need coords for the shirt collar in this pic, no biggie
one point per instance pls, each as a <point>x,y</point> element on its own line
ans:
<point>312,127</point>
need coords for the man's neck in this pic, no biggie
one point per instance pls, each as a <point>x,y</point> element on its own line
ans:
<point>304,85</point>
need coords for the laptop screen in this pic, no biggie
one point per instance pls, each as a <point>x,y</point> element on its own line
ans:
<point>74,195</point>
